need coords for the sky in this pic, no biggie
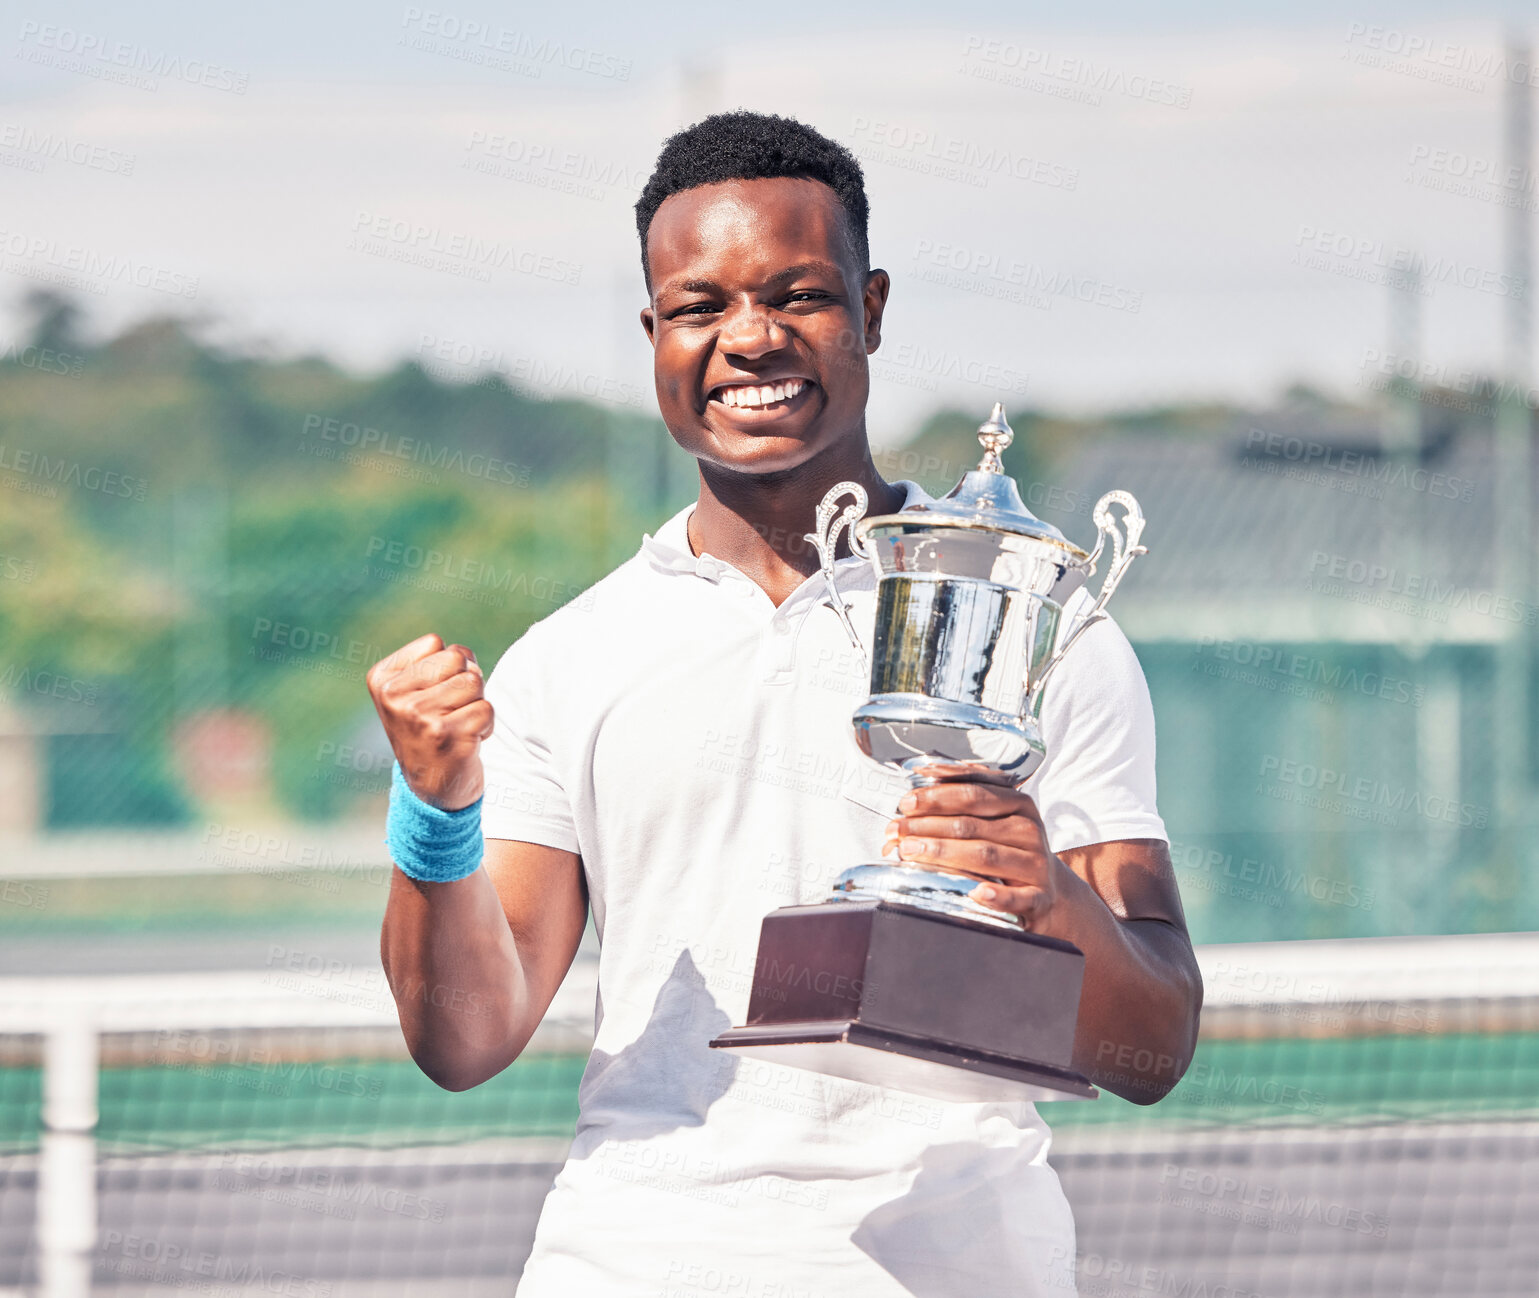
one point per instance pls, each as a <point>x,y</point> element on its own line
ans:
<point>1083,208</point>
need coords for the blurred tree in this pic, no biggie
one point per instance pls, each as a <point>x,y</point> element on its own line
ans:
<point>194,529</point>
<point>53,318</point>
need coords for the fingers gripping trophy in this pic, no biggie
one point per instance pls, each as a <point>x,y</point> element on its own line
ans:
<point>874,983</point>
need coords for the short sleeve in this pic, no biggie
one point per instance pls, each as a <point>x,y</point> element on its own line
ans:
<point>524,798</point>
<point>1097,782</point>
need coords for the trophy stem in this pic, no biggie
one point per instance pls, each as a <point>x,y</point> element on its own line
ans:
<point>924,772</point>
<point>922,885</point>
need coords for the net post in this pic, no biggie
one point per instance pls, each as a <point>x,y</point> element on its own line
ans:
<point>66,1202</point>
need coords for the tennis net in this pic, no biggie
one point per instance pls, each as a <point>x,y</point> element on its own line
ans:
<point>1362,1118</point>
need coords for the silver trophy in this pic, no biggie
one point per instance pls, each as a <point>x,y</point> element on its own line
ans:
<point>970,594</point>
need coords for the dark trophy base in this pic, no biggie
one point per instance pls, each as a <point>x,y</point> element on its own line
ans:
<point>914,1000</point>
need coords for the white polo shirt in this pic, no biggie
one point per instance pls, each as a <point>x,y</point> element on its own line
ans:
<point>693,743</point>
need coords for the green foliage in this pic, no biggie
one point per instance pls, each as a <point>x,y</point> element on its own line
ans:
<point>183,529</point>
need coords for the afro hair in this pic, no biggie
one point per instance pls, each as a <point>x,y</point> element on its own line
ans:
<point>755,146</point>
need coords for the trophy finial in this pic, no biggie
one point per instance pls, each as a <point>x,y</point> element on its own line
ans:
<point>995,433</point>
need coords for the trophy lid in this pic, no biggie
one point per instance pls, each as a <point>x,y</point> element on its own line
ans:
<point>986,499</point>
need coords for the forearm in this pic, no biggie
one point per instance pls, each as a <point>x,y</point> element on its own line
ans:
<point>1141,997</point>
<point>454,970</point>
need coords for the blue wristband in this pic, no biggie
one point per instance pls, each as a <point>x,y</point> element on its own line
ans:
<point>427,842</point>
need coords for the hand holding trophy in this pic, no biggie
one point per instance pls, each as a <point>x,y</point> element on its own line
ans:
<point>874,983</point>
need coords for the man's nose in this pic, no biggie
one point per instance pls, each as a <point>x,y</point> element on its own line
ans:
<point>749,329</point>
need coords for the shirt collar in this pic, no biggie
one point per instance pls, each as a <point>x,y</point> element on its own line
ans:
<point>668,550</point>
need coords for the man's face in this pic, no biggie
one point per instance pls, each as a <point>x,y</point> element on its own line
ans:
<point>760,321</point>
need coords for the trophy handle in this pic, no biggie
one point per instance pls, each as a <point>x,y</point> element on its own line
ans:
<point>1123,554</point>
<point>830,519</point>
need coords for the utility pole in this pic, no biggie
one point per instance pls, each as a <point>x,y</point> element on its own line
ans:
<point>1514,536</point>
<point>1401,434</point>
<point>1414,859</point>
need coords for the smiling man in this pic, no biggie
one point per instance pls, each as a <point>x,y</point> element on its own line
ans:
<point>675,752</point>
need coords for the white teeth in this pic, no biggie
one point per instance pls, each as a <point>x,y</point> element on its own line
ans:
<point>751,396</point>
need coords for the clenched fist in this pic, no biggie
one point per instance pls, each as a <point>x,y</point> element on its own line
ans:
<point>430,697</point>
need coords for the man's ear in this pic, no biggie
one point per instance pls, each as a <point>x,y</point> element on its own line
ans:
<point>875,302</point>
<point>649,323</point>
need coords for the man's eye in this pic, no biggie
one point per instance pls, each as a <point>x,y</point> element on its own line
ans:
<point>806,295</point>
<point>695,308</point>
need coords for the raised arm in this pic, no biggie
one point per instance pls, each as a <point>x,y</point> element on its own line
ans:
<point>473,963</point>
